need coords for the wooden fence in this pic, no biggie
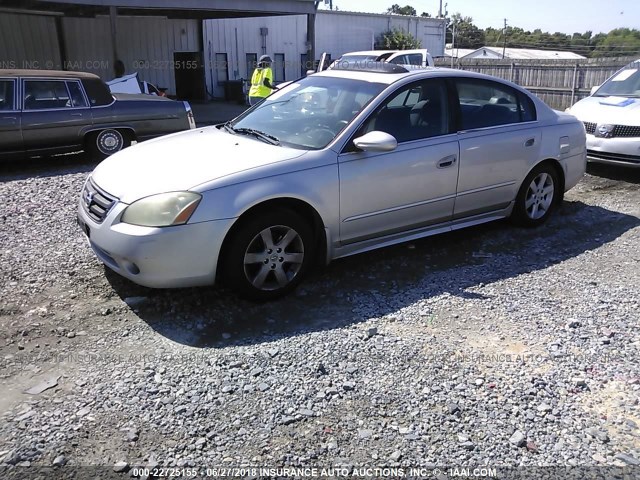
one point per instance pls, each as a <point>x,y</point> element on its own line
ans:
<point>559,83</point>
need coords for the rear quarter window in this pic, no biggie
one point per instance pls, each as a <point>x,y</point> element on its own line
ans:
<point>98,93</point>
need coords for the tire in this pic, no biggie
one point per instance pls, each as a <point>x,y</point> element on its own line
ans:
<point>538,196</point>
<point>255,262</point>
<point>107,142</point>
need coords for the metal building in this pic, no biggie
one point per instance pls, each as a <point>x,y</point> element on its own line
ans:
<point>191,47</point>
<point>232,46</point>
<point>161,39</point>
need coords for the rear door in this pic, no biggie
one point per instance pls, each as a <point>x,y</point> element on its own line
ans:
<point>411,187</point>
<point>10,134</point>
<point>499,141</point>
<point>54,112</point>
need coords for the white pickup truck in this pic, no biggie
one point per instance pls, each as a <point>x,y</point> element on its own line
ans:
<point>419,57</point>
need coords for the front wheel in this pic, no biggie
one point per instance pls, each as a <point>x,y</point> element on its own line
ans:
<point>268,255</point>
<point>537,197</point>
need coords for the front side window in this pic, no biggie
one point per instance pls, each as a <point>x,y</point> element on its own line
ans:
<point>45,95</point>
<point>309,113</point>
<point>484,103</point>
<point>414,112</point>
<point>7,89</point>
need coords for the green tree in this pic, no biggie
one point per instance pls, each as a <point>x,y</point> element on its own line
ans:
<point>396,39</point>
<point>467,34</point>
<point>425,14</point>
<point>398,10</point>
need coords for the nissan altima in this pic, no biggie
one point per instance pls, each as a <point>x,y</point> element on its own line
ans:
<point>340,162</point>
<point>611,117</point>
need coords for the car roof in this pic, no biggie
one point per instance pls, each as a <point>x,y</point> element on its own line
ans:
<point>377,53</point>
<point>46,74</point>
<point>412,71</point>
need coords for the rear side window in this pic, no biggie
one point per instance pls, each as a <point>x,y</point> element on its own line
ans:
<point>45,95</point>
<point>98,93</point>
<point>77,97</point>
<point>7,89</point>
<point>484,103</point>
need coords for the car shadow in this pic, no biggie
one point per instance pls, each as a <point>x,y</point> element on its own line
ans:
<point>47,166</point>
<point>614,172</point>
<point>378,283</point>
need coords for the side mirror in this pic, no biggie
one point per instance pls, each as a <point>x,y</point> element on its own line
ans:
<point>376,141</point>
<point>594,89</point>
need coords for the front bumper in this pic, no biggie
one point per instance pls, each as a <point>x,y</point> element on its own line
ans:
<point>614,151</point>
<point>169,257</point>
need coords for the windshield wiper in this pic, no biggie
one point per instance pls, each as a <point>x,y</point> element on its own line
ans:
<point>227,126</point>
<point>265,137</point>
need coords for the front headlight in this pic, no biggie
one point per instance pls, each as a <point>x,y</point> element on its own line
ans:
<point>163,210</point>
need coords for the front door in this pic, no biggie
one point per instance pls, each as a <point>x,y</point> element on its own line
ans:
<point>411,187</point>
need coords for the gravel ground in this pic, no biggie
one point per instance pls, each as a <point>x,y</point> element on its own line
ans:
<point>492,346</point>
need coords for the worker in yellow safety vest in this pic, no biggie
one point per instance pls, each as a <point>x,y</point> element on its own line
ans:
<point>261,81</point>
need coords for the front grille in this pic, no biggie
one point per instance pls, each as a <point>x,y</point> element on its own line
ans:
<point>96,202</point>
<point>617,157</point>
<point>618,130</point>
<point>626,131</point>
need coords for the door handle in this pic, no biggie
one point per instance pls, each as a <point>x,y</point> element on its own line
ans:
<point>447,161</point>
<point>530,142</point>
<point>76,114</point>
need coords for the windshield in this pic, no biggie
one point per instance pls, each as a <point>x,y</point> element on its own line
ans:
<point>625,83</point>
<point>309,113</point>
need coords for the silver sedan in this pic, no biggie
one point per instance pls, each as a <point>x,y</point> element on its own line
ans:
<point>340,162</point>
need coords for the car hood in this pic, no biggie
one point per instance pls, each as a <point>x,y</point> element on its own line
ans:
<point>614,110</point>
<point>182,161</point>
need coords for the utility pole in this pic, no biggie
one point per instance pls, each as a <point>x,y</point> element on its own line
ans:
<point>440,10</point>
<point>504,44</point>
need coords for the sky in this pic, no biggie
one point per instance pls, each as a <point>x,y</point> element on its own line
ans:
<point>566,16</point>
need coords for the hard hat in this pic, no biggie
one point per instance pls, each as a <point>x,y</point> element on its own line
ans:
<point>265,58</point>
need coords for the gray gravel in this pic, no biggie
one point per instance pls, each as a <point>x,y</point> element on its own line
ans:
<point>495,346</point>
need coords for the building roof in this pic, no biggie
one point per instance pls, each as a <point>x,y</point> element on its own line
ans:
<point>385,15</point>
<point>517,53</point>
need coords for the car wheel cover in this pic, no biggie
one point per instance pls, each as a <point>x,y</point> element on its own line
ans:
<point>109,141</point>
<point>273,258</point>
<point>539,196</point>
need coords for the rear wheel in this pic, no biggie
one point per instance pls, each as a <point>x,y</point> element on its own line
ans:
<point>268,255</point>
<point>537,197</point>
<point>107,142</point>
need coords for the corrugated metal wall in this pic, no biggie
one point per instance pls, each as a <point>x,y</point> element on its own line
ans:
<point>338,32</point>
<point>145,44</point>
<point>237,37</point>
<point>28,41</point>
